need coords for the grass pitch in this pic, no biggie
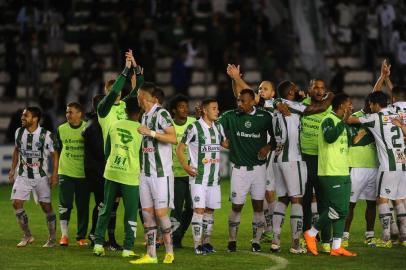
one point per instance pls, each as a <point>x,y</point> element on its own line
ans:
<point>73,257</point>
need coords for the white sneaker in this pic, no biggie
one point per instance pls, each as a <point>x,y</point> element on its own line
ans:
<point>25,241</point>
<point>297,250</point>
<point>50,243</point>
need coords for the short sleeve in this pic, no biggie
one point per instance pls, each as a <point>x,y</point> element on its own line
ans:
<point>49,142</point>
<point>223,120</point>
<point>368,120</point>
<point>221,131</point>
<point>164,119</point>
<point>189,135</point>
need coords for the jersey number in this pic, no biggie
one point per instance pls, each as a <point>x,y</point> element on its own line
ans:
<point>396,137</point>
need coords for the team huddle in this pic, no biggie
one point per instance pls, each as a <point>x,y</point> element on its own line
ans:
<point>306,149</point>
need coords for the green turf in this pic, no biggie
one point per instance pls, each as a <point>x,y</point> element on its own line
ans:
<point>73,257</point>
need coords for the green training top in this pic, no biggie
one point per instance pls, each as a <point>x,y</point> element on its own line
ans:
<point>123,153</point>
<point>309,132</point>
<point>333,147</point>
<point>363,156</point>
<point>72,151</point>
<point>178,170</point>
<point>247,133</point>
<point>107,111</point>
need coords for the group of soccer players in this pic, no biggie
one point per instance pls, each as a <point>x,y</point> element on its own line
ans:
<point>308,150</point>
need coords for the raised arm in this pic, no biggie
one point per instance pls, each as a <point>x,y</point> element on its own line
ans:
<point>137,76</point>
<point>383,78</point>
<point>237,82</point>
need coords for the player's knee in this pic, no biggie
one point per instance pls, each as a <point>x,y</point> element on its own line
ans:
<point>199,211</point>
<point>17,204</point>
<point>161,212</point>
<point>237,207</point>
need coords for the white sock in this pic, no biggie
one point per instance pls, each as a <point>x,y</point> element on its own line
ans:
<point>385,218</point>
<point>401,215</point>
<point>197,228</point>
<point>336,243</point>
<point>296,221</point>
<point>394,229</point>
<point>166,230</point>
<point>233,223</point>
<point>64,227</point>
<point>313,231</point>
<point>258,224</point>
<point>277,221</point>
<point>269,216</point>
<point>150,232</point>
<point>369,234</point>
<point>208,223</point>
<point>346,235</point>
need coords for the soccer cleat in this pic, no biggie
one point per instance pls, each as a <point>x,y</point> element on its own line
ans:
<point>169,258</point>
<point>98,250</point>
<point>50,243</point>
<point>208,248</point>
<point>64,241</point>
<point>25,241</point>
<point>82,242</point>
<point>342,252</point>
<point>232,246</point>
<point>345,242</point>
<point>146,259</point>
<point>255,247</point>
<point>370,242</point>
<point>267,237</point>
<point>383,244</point>
<point>275,248</point>
<point>199,250</point>
<point>311,243</point>
<point>325,248</point>
<point>114,246</point>
<point>298,250</point>
<point>129,254</point>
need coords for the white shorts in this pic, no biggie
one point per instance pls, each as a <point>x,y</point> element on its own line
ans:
<point>270,176</point>
<point>156,192</point>
<point>291,178</point>
<point>23,187</point>
<point>244,181</point>
<point>363,184</point>
<point>204,196</point>
<point>391,185</point>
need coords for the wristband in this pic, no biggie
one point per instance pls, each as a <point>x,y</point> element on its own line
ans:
<point>153,134</point>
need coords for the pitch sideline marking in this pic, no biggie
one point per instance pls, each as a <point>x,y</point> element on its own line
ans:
<point>281,263</point>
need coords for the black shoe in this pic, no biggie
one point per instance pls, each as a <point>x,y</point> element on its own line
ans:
<point>114,246</point>
<point>199,251</point>
<point>208,248</point>
<point>91,238</point>
<point>232,246</point>
<point>255,247</point>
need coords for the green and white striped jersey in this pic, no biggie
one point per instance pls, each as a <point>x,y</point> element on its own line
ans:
<point>388,139</point>
<point>268,105</point>
<point>286,132</point>
<point>400,109</point>
<point>156,157</point>
<point>204,150</point>
<point>34,149</point>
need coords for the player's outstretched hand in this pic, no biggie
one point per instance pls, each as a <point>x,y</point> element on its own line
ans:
<point>233,71</point>
<point>130,56</point>
<point>190,170</point>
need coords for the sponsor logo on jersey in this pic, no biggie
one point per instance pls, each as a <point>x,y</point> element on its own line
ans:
<point>210,161</point>
<point>196,199</point>
<point>249,135</point>
<point>148,150</point>
<point>247,124</point>
<point>209,148</point>
<point>387,190</point>
<point>31,153</point>
<point>125,135</point>
<point>38,144</point>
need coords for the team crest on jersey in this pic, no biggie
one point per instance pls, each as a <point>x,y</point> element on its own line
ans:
<point>387,190</point>
<point>196,199</point>
<point>247,124</point>
<point>38,144</point>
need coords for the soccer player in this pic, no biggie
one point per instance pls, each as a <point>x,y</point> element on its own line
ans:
<point>363,162</point>
<point>289,169</point>
<point>334,178</point>
<point>310,124</point>
<point>72,182</point>
<point>203,139</point>
<point>247,130</point>
<point>33,146</point>
<point>123,144</point>
<point>264,99</point>
<point>156,183</point>
<point>391,175</point>
<point>181,215</point>
<point>111,109</point>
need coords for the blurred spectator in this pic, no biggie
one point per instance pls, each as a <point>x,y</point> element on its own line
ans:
<point>53,21</point>
<point>387,16</point>
<point>148,38</point>
<point>12,67</point>
<point>217,35</point>
<point>401,59</point>
<point>179,77</point>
